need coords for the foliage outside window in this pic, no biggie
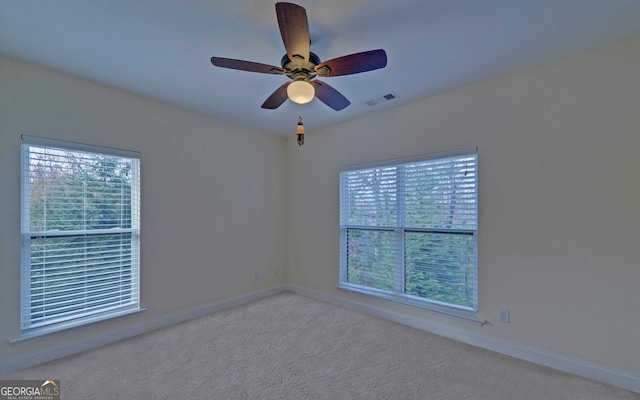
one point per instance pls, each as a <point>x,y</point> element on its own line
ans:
<point>409,230</point>
<point>80,233</point>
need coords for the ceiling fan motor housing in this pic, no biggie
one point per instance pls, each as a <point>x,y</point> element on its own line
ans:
<point>299,68</point>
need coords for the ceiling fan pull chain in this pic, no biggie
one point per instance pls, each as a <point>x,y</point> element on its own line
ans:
<point>300,129</point>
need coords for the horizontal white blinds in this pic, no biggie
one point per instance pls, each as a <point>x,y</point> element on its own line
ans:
<point>80,228</point>
<point>433,194</point>
<point>409,228</point>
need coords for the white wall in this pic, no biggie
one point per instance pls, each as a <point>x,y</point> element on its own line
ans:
<point>559,200</point>
<point>213,205</point>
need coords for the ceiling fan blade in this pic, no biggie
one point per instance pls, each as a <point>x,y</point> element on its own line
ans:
<point>353,63</point>
<point>246,65</point>
<point>330,96</point>
<point>294,29</point>
<point>277,98</point>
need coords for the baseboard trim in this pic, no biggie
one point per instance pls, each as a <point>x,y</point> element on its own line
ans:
<point>548,359</point>
<point>91,342</point>
<point>541,357</point>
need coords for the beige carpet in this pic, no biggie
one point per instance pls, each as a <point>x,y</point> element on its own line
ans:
<point>291,347</point>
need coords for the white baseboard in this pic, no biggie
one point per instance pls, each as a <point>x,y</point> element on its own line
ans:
<point>91,342</point>
<point>548,359</point>
<point>541,357</point>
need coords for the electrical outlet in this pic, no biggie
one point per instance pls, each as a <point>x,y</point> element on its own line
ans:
<point>503,315</point>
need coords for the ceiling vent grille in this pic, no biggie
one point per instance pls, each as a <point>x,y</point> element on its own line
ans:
<point>381,99</point>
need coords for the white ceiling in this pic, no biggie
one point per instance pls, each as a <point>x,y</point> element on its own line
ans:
<point>161,48</point>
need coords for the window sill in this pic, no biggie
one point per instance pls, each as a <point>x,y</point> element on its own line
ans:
<point>64,328</point>
<point>460,314</point>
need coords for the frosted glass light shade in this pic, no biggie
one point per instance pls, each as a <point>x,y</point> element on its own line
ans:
<point>300,92</point>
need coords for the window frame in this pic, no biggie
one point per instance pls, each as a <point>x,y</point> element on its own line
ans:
<point>131,236</point>
<point>399,230</point>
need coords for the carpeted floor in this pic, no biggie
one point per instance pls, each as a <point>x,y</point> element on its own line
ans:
<point>292,347</point>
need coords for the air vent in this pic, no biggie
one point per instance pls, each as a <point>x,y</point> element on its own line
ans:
<point>381,99</point>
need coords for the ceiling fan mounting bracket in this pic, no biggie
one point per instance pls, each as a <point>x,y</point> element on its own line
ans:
<point>278,71</point>
<point>323,70</point>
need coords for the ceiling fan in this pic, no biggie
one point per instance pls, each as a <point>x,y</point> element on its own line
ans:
<point>302,66</point>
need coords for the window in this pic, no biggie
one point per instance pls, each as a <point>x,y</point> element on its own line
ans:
<point>80,234</point>
<point>409,230</point>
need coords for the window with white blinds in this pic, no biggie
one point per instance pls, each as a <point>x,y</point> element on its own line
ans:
<point>80,233</point>
<point>409,230</point>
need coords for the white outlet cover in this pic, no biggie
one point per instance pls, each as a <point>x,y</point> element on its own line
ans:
<point>503,315</point>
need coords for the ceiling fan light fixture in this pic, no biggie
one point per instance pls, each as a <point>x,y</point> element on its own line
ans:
<point>301,92</point>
